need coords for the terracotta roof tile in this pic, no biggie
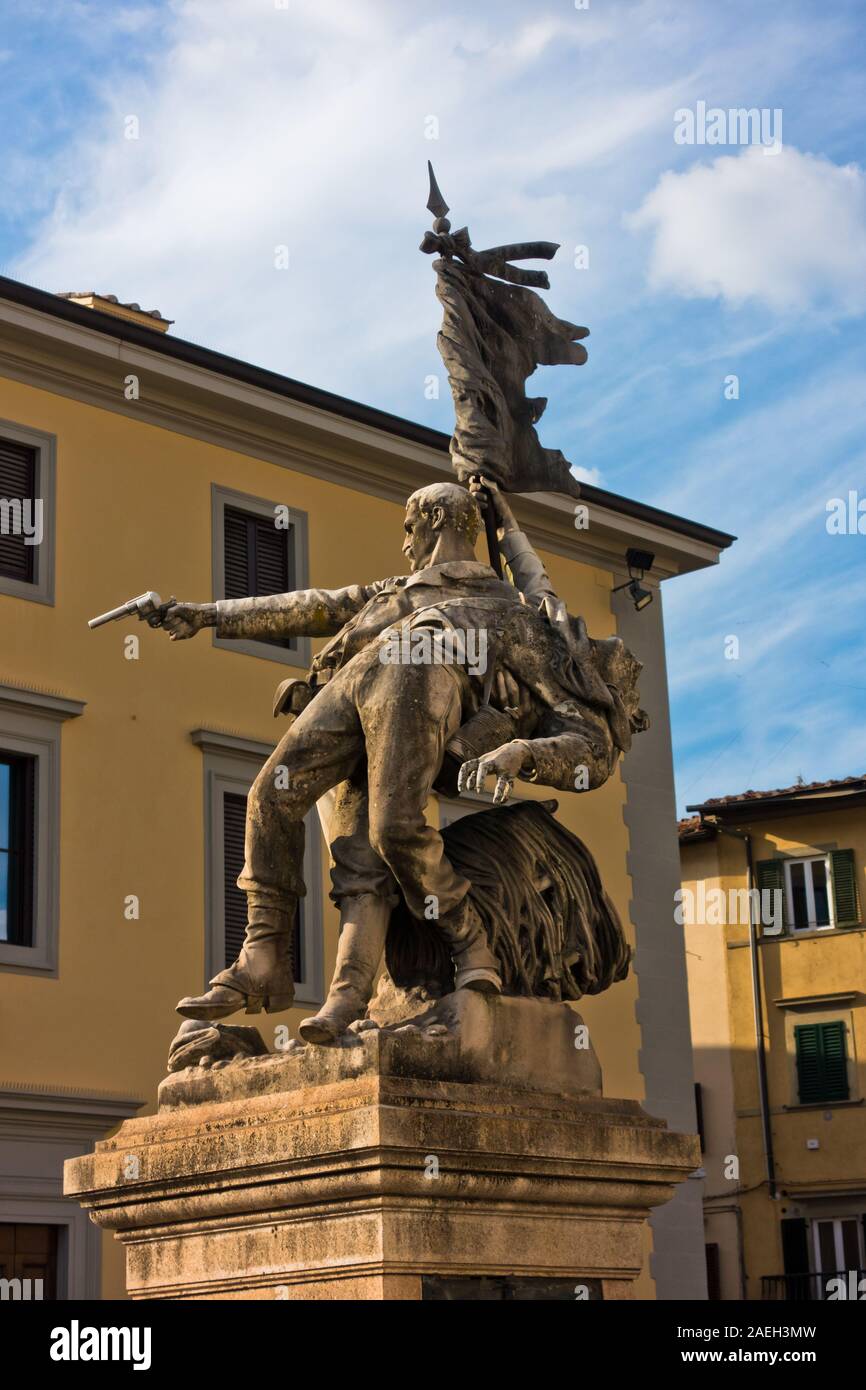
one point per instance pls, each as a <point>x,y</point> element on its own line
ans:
<point>694,827</point>
<point>784,791</point>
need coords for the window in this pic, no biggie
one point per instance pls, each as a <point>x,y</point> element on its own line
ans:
<point>18,469</point>
<point>17,847</point>
<point>43,1235</point>
<point>818,892</point>
<point>807,888</point>
<point>837,1245</point>
<point>30,731</point>
<point>822,1062</point>
<point>235,899</point>
<point>28,1253</point>
<point>254,556</point>
<point>26,513</point>
<point>230,767</point>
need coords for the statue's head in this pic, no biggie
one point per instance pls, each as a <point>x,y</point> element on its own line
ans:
<point>443,515</point>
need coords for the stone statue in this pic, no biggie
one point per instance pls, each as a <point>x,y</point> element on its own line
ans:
<point>439,679</point>
<point>377,729</point>
<point>468,1064</point>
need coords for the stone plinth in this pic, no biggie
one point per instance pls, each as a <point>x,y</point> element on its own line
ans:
<point>389,1168</point>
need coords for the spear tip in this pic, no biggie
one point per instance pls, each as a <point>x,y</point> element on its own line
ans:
<point>435,203</point>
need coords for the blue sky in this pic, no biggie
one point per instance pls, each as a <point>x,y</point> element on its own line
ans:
<point>307,126</point>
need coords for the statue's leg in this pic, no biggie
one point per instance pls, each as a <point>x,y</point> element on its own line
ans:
<point>408,715</point>
<point>320,749</point>
<point>365,891</point>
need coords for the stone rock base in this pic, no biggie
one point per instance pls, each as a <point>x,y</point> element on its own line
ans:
<point>400,1166</point>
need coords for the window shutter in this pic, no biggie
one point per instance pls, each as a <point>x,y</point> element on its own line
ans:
<point>845,904</point>
<point>271,559</point>
<point>835,1060</point>
<point>770,877</point>
<point>236,545</point>
<point>17,483</point>
<point>235,899</point>
<point>234,824</point>
<point>795,1245</point>
<point>258,559</point>
<point>822,1068</point>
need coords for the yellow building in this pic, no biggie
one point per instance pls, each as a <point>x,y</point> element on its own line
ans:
<point>776,990</point>
<point>126,759</point>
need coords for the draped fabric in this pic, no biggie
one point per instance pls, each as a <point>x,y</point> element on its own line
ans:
<point>553,929</point>
<point>493,336</point>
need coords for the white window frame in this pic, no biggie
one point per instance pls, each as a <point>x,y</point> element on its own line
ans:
<point>812,922</point>
<point>837,1239</point>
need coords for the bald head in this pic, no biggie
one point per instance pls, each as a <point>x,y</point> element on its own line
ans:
<point>442,523</point>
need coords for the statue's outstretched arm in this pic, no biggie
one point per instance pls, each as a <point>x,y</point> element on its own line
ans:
<point>305,613</point>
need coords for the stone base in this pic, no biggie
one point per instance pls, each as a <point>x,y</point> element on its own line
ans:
<point>401,1166</point>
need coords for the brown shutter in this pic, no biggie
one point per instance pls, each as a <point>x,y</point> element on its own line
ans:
<point>17,483</point>
<point>270,559</point>
<point>237,566</point>
<point>234,823</point>
<point>259,558</point>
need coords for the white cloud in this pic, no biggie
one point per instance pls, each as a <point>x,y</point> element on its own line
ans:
<point>787,231</point>
<point>587,475</point>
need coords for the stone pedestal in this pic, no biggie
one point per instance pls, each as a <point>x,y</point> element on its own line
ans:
<point>473,1160</point>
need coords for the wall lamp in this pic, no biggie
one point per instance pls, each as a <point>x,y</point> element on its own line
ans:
<point>638,561</point>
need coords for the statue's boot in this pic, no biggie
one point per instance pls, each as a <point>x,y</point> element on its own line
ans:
<point>262,976</point>
<point>364,924</point>
<point>475,965</point>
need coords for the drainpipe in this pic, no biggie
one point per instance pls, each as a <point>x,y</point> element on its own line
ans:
<point>763,1091</point>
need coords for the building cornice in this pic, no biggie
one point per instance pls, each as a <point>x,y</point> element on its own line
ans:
<point>24,700</point>
<point>60,1112</point>
<point>217,741</point>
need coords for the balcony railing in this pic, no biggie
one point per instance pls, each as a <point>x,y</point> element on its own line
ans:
<point>813,1288</point>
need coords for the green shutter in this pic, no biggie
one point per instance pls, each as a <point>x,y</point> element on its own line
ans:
<point>844,875</point>
<point>770,876</point>
<point>822,1066</point>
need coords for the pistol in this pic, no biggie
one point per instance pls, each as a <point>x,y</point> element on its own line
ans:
<point>148,607</point>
